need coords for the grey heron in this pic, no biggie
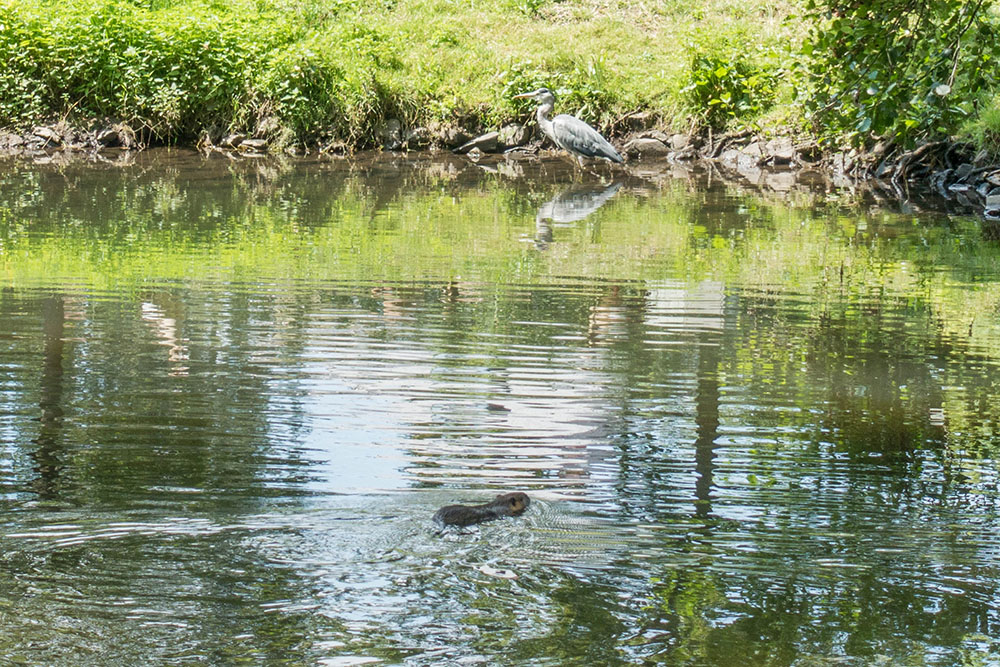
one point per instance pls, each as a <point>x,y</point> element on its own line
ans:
<point>570,133</point>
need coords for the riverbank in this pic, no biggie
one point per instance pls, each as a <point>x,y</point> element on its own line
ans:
<point>339,71</point>
<point>741,83</point>
<point>950,175</point>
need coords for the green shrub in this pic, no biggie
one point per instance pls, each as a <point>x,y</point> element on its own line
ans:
<point>303,83</point>
<point>23,94</point>
<point>727,81</point>
<point>339,84</point>
<point>984,128</point>
<point>901,69</point>
<point>170,72</point>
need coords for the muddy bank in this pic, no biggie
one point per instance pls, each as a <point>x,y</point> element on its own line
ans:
<point>964,178</point>
<point>957,176</point>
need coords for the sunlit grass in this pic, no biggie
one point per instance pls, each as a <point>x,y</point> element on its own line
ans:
<point>336,68</point>
<point>984,128</point>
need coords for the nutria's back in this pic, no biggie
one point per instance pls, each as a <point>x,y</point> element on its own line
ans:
<point>506,504</point>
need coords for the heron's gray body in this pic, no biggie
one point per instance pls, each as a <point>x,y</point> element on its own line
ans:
<point>574,135</point>
<point>570,133</point>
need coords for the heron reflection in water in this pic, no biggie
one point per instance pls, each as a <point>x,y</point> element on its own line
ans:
<point>570,205</point>
<point>570,133</point>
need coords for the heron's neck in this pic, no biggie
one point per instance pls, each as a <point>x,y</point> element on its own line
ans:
<point>543,118</point>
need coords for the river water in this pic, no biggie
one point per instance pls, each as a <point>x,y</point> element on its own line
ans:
<point>758,426</point>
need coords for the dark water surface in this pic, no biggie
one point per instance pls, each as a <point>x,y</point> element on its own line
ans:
<point>757,427</point>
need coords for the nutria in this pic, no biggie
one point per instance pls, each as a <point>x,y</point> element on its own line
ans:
<point>506,504</point>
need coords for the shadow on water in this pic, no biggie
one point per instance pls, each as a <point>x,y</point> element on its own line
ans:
<point>757,427</point>
<point>707,419</point>
<point>47,453</point>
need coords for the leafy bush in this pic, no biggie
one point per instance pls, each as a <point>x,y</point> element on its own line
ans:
<point>23,96</point>
<point>169,72</point>
<point>302,82</point>
<point>901,69</point>
<point>726,81</point>
<point>984,129</point>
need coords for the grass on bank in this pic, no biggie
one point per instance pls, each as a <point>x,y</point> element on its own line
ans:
<point>983,129</point>
<point>319,70</point>
<point>335,69</point>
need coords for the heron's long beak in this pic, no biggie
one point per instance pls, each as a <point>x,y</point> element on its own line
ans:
<point>531,94</point>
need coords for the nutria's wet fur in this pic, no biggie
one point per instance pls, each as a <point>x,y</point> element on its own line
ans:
<point>506,504</point>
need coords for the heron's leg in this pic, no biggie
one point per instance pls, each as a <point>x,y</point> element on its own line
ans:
<point>611,168</point>
<point>593,169</point>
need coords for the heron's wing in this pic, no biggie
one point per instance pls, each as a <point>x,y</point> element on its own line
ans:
<point>576,136</point>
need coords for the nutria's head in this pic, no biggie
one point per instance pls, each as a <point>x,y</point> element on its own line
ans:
<point>514,503</point>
